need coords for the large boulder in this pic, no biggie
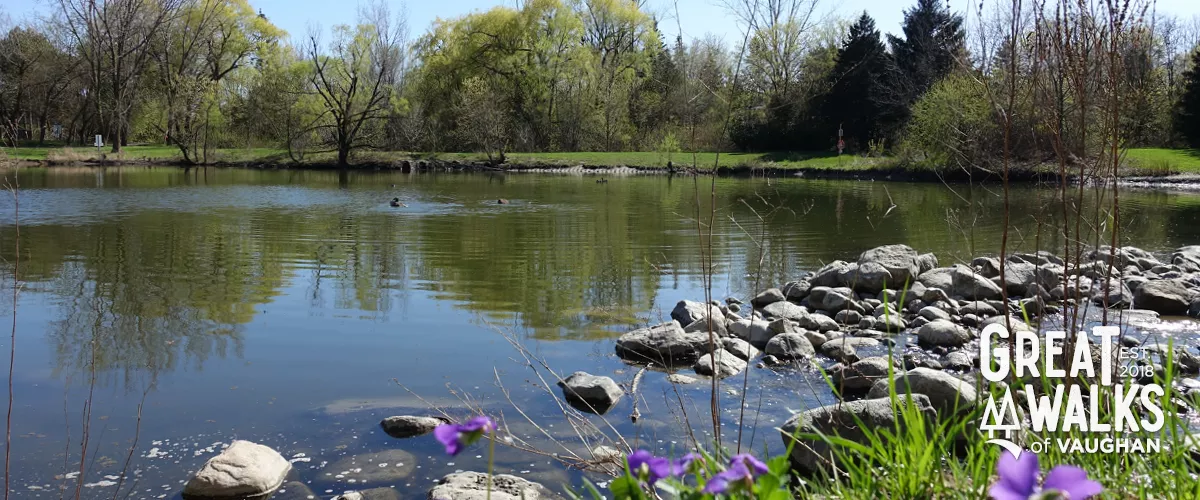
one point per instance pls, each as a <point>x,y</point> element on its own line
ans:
<point>944,333</point>
<point>703,325</point>
<point>1115,295</point>
<point>597,393</point>
<point>1171,297</point>
<point>790,346</point>
<point>720,364</point>
<point>938,277</point>
<point>740,348</point>
<point>666,345</point>
<point>785,309</point>
<point>474,486</point>
<point>965,282</point>
<point>832,274</point>
<point>1018,276</point>
<point>846,420</point>
<point>687,312</point>
<point>925,262</point>
<point>947,393</point>
<point>1187,258</point>
<point>871,277</point>
<point>901,262</point>
<point>769,296</point>
<point>244,469</point>
<point>756,331</point>
<point>406,426</point>
<point>797,290</point>
<point>818,323</point>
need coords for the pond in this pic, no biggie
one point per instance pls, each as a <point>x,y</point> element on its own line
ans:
<point>171,311</point>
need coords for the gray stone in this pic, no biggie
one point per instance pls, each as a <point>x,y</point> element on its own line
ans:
<point>740,347</point>
<point>365,467</point>
<point>933,314</point>
<point>948,394</point>
<point>244,469</point>
<point>815,338</point>
<point>1194,308</point>
<point>843,420</point>
<point>900,261</point>
<point>702,325</point>
<point>847,317</point>
<point>938,277</point>
<point>598,392</point>
<point>1170,297</point>
<point>797,290</point>
<point>786,310</point>
<point>1014,324</point>
<point>958,360</point>
<point>666,345</point>
<point>943,333</point>
<point>406,426</point>
<point>870,277</point>
<point>687,312</point>
<point>989,267</point>
<point>831,275</point>
<point>790,346</point>
<point>967,283</point>
<point>679,378</point>
<point>925,262</point>
<point>862,374</point>
<point>757,332</point>
<point>935,295</point>
<point>720,364</point>
<point>768,297</point>
<point>474,486</point>
<point>818,322</point>
<point>978,308</point>
<point>840,351</point>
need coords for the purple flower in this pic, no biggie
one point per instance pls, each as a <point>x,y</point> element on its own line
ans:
<point>647,467</point>
<point>455,437</point>
<point>684,465</point>
<point>1018,480</point>
<point>741,472</point>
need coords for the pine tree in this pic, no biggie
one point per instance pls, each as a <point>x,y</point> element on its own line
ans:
<point>1187,110</point>
<point>933,41</point>
<point>859,98</point>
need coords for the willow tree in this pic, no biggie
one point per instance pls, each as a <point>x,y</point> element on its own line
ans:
<point>359,79</point>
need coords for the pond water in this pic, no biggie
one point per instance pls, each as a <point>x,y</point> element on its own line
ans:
<point>297,308</point>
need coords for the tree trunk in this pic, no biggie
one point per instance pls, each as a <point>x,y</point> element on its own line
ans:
<point>343,156</point>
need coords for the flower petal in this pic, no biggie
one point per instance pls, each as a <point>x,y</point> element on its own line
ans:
<point>1073,481</point>
<point>752,464</point>
<point>448,435</point>
<point>1001,491</point>
<point>1018,476</point>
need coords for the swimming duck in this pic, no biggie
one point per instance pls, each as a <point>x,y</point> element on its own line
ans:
<point>396,203</point>
<point>502,201</point>
<point>601,181</point>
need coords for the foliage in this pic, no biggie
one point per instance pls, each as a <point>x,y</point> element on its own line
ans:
<point>1187,111</point>
<point>860,99</point>
<point>953,124</point>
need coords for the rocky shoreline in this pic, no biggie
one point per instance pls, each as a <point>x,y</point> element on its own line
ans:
<point>896,311</point>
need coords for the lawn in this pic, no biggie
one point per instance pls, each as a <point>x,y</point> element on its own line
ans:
<point>1164,161</point>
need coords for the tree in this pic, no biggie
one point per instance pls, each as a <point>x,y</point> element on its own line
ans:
<point>860,99</point>
<point>1187,110</point>
<point>360,78</point>
<point>114,38</point>
<point>932,45</point>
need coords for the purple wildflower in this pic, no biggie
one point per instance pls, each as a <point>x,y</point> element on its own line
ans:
<point>455,437</point>
<point>1018,480</point>
<point>647,467</point>
<point>741,472</point>
<point>683,465</point>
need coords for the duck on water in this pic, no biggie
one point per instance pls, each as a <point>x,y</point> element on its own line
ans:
<point>396,203</point>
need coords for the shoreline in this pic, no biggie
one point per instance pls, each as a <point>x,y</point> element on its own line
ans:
<point>1185,182</point>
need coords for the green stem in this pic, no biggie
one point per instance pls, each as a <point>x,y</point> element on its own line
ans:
<point>491,461</point>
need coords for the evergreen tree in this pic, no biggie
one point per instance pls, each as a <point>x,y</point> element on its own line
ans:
<point>859,98</point>
<point>1187,110</point>
<point>933,41</point>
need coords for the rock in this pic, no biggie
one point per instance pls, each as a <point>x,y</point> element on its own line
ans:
<point>768,297</point>
<point>786,310</point>
<point>599,393</point>
<point>1019,275</point>
<point>666,345</point>
<point>847,317</point>
<point>244,469</point>
<point>679,378</point>
<point>890,323</point>
<point>732,300</point>
<point>967,283</point>
<point>294,490</point>
<point>790,346</point>
<point>989,267</point>
<point>365,467</point>
<point>740,348</point>
<point>607,454</point>
<point>943,333</point>
<point>703,325</point>
<point>1015,324</point>
<point>757,332</point>
<point>948,394</point>
<point>797,290</point>
<point>933,314</point>
<point>1115,294</point>
<point>1187,258</point>
<point>926,262</point>
<point>938,277</point>
<point>900,261</point>
<point>734,308</point>
<point>978,308</point>
<point>406,426</point>
<point>921,359</point>
<point>831,275</point>
<point>870,277</point>
<point>1170,297</point>
<point>474,486</point>
<point>815,338</point>
<point>840,351</point>
<point>862,374</point>
<point>726,364</point>
<point>1194,308</point>
<point>958,360</point>
<point>687,312</point>
<point>935,295</point>
<point>842,419</point>
<point>1040,258</point>
<point>818,322</point>
<point>832,299</point>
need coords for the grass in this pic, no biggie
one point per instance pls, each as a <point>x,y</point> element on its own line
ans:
<point>645,159</point>
<point>1161,161</point>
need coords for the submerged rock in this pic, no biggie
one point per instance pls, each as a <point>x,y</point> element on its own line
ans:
<point>244,469</point>
<point>842,419</point>
<point>474,486</point>
<point>679,378</point>
<point>406,426</point>
<point>598,393</point>
<point>366,467</point>
<point>371,494</point>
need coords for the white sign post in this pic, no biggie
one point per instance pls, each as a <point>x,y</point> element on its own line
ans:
<point>99,143</point>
